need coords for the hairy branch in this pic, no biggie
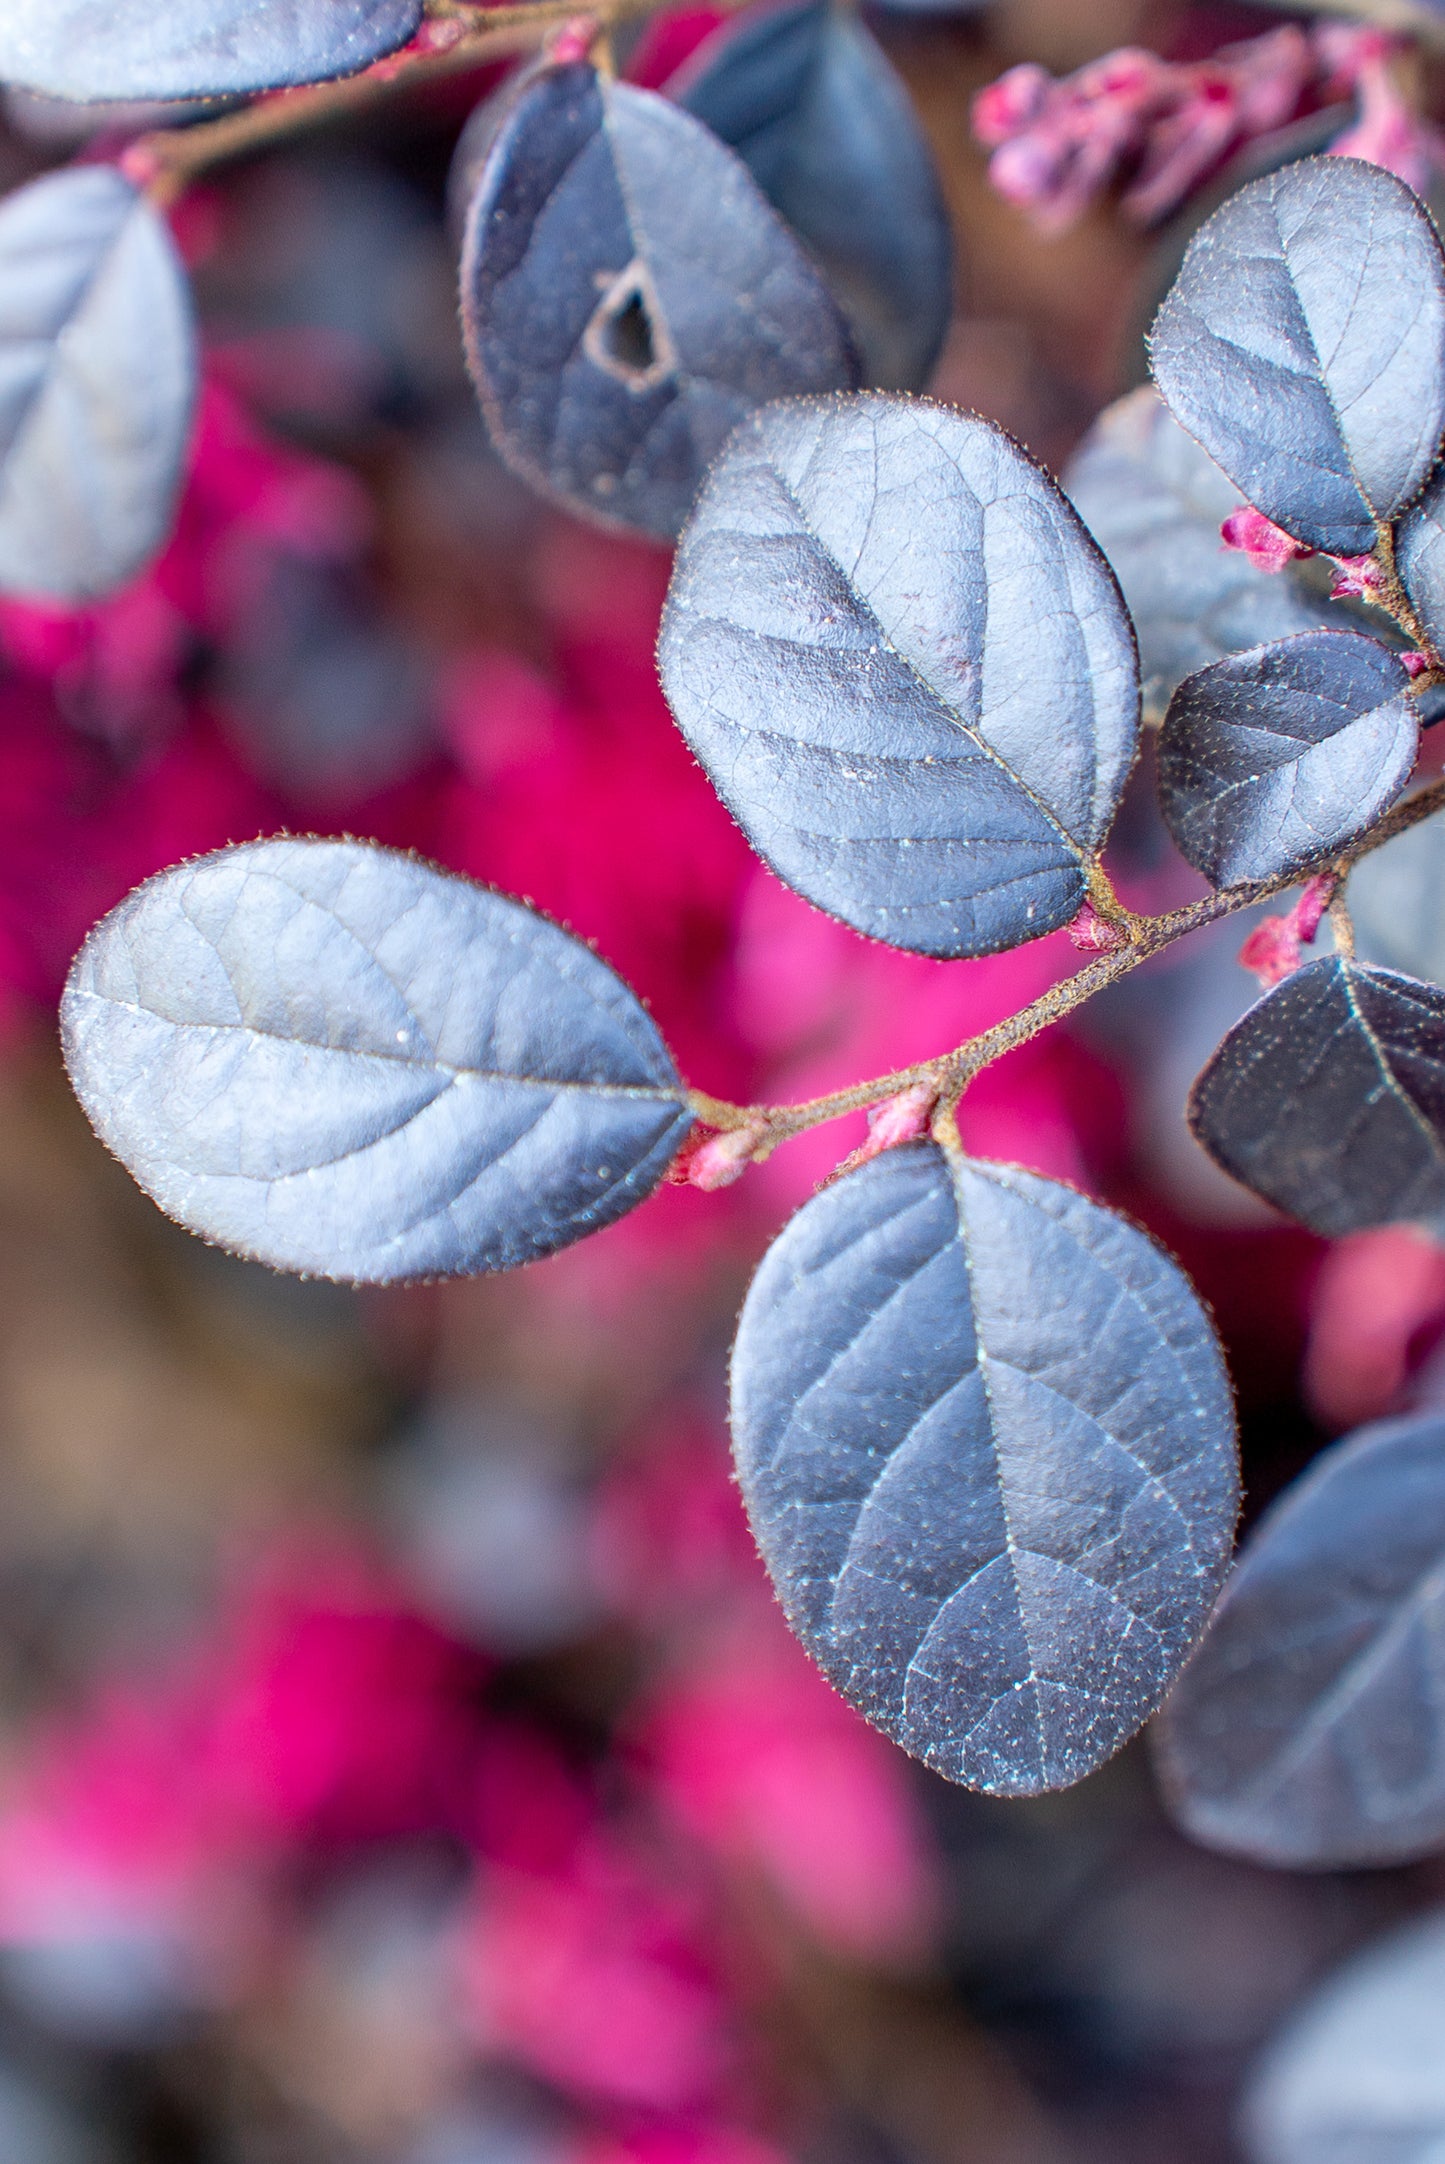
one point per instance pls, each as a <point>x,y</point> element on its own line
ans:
<point>454,36</point>
<point>949,1074</point>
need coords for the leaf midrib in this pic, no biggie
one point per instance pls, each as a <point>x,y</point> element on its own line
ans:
<point>651,1092</point>
<point>975,735</point>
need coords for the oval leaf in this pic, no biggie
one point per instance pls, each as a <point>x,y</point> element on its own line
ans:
<point>1397,900</point>
<point>1358,2077</point>
<point>628,296</point>
<point>1154,500</point>
<point>906,668</point>
<point>193,48</point>
<point>334,1059</point>
<point>985,1439</point>
<point>1305,1730</point>
<point>1303,343</point>
<point>1329,1098</point>
<point>808,99</point>
<point>97,384</point>
<point>1275,759</point>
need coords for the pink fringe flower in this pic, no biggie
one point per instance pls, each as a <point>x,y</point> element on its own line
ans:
<point>1162,127</point>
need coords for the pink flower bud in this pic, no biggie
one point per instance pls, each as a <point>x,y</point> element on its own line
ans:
<point>1268,547</point>
<point>1343,49</point>
<point>1162,126</point>
<point>903,1118</point>
<point>1093,934</point>
<point>1271,951</point>
<point>1415,664</point>
<point>140,165</point>
<point>1355,577</point>
<point>1272,76</point>
<point>1314,900</point>
<point>1130,73</point>
<point>572,40</point>
<point>710,1160</point>
<point>439,37</point>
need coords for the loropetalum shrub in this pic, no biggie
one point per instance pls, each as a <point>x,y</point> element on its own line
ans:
<point>982,1424</point>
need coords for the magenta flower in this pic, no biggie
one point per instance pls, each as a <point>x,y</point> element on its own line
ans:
<point>767,1767</point>
<point>1158,128</point>
<point>597,1979</point>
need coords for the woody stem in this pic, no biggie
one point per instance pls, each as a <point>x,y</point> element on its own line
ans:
<point>455,35</point>
<point>948,1074</point>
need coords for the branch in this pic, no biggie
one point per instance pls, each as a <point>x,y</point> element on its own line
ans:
<point>460,34</point>
<point>948,1074</point>
<point>455,35</point>
<point>1393,599</point>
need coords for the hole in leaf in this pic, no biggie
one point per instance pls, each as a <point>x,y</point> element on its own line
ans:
<point>628,338</point>
<point>627,335</point>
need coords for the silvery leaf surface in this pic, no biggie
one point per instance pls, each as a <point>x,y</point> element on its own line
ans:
<point>906,669</point>
<point>338,1060</point>
<point>1309,1729</point>
<point>1303,344</point>
<point>97,384</point>
<point>628,295</point>
<point>119,49</point>
<point>1278,758</point>
<point>806,96</point>
<point>986,1442</point>
<point>1154,500</point>
<point>1328,1098</point>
